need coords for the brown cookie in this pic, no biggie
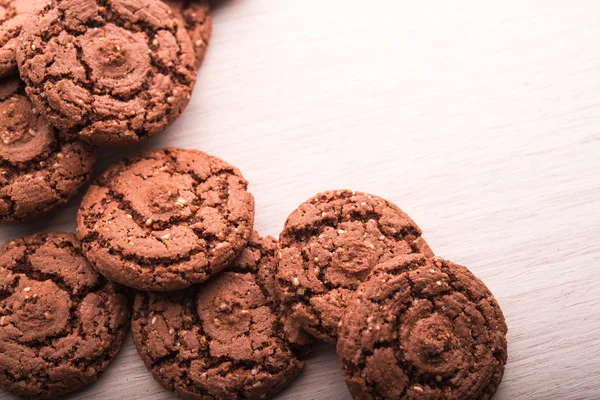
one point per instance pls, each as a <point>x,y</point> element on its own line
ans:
<point>61,323</point>
<point>421,328</point>
<point>329,245</point>
<point>110,71</point>
<point>259,257</point>
<point>165,219</point>
<point>13,14</point>
<point>195,15</point>
<point>222,340</point>
<point>39,169</point>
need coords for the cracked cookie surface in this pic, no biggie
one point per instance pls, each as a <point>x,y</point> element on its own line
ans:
<point>329,245</point>
<point>39,169</point>
<point>195,15</point>
<point>421,328</point>
<point>61,322</point>
<point>165,219</point>
<point>112,72</point>
<point>224,339</point>
<point>13,14</point>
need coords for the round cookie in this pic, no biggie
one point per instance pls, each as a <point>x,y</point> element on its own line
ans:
<point>195,15</point>
<point>222,340</point>
<point>61,323</point>
<point>111,72</point>
<point>165,219</point>
<point>329,245</point>
<point>421,328</point>
<point>39,169</point>
<point>12,16</point>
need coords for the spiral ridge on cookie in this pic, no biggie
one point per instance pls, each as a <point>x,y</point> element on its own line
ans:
<point>329,245</point>
<point>61,323</point>
<point>223,339</point>
<point>421,328</point>
<point>39,168</point>
<point>165,219</point>
<point>112,72</point>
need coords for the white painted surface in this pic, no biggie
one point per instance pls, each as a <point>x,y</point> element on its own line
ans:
<point>480,119</point>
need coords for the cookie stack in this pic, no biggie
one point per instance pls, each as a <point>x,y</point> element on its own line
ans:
<point>219,311</point>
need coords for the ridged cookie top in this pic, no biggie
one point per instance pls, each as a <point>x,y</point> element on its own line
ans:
<point>110,71</point>
<point>39,169</point>
<point>61,322</point>
<point>421,328</point>
<point>224,339</point>
<point>328,247</point>
<point>165,219</point>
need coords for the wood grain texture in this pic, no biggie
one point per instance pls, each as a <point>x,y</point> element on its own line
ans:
<point>480,119</point>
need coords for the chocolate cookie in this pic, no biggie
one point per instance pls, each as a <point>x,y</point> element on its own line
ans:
<point>39,169</point>
<point>329,245</point>
<point>12,15</point>
<point>222,340</point>
<point>165,219</point>
<point>110,71</point>
<point>195,15</point>
<point>61,323</point>
<point>422,328</point>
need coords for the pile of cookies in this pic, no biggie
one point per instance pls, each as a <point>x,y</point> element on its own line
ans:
<point>219,312</point>
<point>75,74</point>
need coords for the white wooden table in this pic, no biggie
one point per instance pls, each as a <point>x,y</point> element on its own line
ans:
<point>480,119</point>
